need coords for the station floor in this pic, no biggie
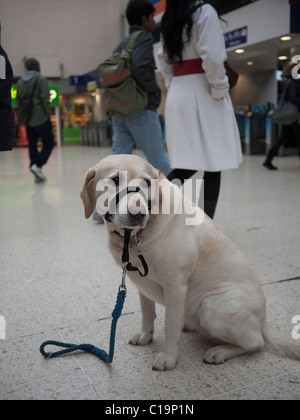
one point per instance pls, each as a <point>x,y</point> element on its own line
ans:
<point>59,282</point>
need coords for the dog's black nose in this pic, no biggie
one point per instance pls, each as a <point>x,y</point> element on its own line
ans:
<point>138,217</point>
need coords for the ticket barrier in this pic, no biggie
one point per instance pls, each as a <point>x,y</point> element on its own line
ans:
<point>91,134</point>
<point>255,131</point>
<point>84,135</point>
<point>97,134</point>
<point>240,114</point>
<point>271,128</point>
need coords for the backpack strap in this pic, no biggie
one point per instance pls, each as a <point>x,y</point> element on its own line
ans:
<point>34,87</point>
<point>131,43</point>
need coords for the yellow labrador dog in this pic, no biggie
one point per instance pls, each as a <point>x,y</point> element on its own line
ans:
<point>195,271</point>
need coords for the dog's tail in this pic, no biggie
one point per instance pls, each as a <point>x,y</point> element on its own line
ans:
<point>281,343</point>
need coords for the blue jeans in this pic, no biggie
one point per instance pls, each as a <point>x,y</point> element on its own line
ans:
<point>143,129</point>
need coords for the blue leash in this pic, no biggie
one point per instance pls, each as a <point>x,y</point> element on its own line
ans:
<point>89,348</point>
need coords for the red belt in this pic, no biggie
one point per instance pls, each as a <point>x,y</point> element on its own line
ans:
<point>188,67</point>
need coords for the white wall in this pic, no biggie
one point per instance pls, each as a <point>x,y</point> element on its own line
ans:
<point>266,19</point>
<point>66,36</point>
<point>255,89</point>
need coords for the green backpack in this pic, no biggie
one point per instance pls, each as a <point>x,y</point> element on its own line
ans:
<point>124,96</point>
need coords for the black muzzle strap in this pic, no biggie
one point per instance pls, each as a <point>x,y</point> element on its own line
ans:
<point>119,196</point>
<point>126,259</point>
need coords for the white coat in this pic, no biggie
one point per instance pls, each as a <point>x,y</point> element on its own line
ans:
<point>201,129</point>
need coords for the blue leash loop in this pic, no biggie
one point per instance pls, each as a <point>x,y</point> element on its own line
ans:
<point>89,348</point>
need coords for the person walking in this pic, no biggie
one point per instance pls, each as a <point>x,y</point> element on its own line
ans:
<point>7,116</point>
<point>38,124</point>
<point>201,129</point>
<point>291,93</point>
<point>144,128</point>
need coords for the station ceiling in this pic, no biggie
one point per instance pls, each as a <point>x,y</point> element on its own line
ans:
<point>264,55</point>
<point>226,6</point>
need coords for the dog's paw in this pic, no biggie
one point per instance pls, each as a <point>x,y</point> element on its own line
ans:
<point>165,361</point>
<point>214,356</point>
<point>141,339</point>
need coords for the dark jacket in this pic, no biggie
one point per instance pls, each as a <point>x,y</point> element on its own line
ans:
<point>143,65</point>
<point>41,105</point>
<point>7,116</point>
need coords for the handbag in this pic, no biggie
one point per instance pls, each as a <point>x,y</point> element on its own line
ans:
<point>232,75</point>
<point>286,113</point>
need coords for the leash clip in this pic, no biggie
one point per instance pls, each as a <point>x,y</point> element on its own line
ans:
<point>123,285</point>
<point>138,242</point>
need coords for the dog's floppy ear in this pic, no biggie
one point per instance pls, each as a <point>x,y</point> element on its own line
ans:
<point>161,175</point>
<point>85,193</point>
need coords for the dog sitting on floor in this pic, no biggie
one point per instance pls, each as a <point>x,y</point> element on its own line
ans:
<point>195,271</point>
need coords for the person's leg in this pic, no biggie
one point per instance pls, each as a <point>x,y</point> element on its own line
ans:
<point>296,130</point>
<point>46,135</point>
<point>123,142</point>
<point>212,184</point>
<point>32,145</point>
<point>146,130</point>
<point>34,154</point>
<point>274,149</point>
<point>181,174</point>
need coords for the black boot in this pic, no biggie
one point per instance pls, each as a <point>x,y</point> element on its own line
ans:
<point>268,164</point>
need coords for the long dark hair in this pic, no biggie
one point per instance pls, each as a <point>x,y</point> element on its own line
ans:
<point>177,17</point>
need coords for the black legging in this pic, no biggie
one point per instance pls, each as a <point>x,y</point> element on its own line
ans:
<point>212,183</point>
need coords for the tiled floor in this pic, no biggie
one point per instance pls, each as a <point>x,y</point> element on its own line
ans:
<point>58,281</point>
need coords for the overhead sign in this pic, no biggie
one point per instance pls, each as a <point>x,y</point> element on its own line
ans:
<point>13,95</point>
<point>53,92</point>
<point>54,95</point>
<point>78,80</point>
<point>236,37</point>
<point>160,6</point>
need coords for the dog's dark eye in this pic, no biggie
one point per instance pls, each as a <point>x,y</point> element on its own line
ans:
<point>116,180</point>
<point>148,182</point>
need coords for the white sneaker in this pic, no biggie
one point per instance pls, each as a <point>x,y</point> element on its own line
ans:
<point>37,172</point>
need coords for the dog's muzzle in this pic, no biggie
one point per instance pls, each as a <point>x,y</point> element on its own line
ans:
<point>119,196</point>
